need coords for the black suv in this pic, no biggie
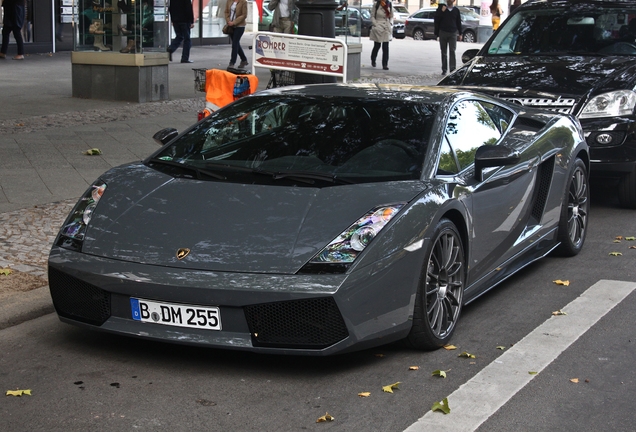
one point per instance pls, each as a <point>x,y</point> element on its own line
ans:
<point>575,57</point>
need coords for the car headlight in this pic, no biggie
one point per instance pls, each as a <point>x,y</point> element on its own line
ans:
<point>75,227</point>
<point>346,247</point>
<point>612,104</point>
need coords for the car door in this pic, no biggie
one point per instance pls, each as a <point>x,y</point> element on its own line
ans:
<point>500,201</point>
<point>429,24</point>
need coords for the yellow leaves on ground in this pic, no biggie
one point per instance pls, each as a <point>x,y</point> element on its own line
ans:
<point>414,368</point>
<point>389,388</point>
<point>465,354</point>
<point>450,347</point>
<point>533,373</point>
<point>440,373</point>
<point>632,247</point>
<point>560,282</point>
<point>6,271</point>
<point>325,418</point>
<point>617,241</point>
<point>18,392</point>
<point>575,380</point>
<point>618,238</point>
<point>364,394</point>
<point>92,152</point>
<point>615,254</point>
<point>630,238</point>
<point>559,312</point>
<point>441,406</point>
<point>501,348</point>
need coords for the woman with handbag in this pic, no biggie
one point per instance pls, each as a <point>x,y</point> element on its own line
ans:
<point>382,30</point>
<point>235,15</point>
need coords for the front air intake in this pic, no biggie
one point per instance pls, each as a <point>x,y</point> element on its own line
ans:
<point>311,323</point>
<point>78,300</point>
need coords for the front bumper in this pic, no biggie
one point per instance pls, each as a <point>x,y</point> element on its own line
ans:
<point>617,157</point>
<point>284,314</point>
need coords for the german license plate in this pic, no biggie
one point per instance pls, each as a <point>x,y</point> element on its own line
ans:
<point>400,30</point>
<point>179,315</point>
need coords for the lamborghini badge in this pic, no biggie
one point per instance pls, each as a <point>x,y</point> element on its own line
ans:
<point>182,253</point>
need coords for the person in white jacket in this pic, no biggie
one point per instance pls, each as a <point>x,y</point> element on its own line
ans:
<point>382,30</point>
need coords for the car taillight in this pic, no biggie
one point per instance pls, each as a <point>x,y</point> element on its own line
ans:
<point>406,22</point>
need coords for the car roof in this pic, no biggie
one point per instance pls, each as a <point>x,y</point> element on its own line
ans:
<point>541,4</point>
<point>430,95</point>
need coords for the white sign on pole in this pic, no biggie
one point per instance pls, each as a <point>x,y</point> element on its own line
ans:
<point>308,54</point>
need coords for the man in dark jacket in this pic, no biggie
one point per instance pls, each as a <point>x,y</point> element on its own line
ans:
<point>448,29</point>
<point>182,18</point>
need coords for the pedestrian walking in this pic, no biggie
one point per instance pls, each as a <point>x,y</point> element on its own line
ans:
<point>13,21</point>
<point>285,15</point>
<point>448,29</point>
<point>496,12</point>
<point>182,17</point>
<point>235,15</point>
<point>381,31</point>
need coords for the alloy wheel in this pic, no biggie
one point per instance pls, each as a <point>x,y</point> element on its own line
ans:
<point>577,207</point>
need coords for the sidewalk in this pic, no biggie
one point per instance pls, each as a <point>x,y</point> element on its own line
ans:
<point>43,132</point>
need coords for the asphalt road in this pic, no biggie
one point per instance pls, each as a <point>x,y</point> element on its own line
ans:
<point>82,380</point>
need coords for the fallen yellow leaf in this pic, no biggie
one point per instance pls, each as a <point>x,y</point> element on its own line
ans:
<point>575,380</point>
<point>560,282</point>
<point>559,312</point>
<point>389,388</point>
<point>325,418</point>
<point>18,392</point>
<point>414,368</point>
<point>364,394</point>
<point>440,373</point>
<point>441,406</point>
<point>619,238</point>
<point>379,355</point>
<point>632,247</point>
<point>450,347</point>
<point>533,373</point>
<point>630,238</point>
<point>6,272</point>
<point>616,254</point>
<point>501,348</point>
<point>617,241</point>
<point>465,354</point>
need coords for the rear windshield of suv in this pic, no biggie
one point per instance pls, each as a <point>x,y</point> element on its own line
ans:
<point>597,30</point>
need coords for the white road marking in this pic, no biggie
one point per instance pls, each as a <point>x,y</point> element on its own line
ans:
<point>476,400</point>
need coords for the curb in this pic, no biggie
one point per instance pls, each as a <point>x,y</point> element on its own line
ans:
<point>24,306</point>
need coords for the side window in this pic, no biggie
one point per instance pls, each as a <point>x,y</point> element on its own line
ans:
<point>469,127</point>
<point>420,15</point>
<point>447,162</point>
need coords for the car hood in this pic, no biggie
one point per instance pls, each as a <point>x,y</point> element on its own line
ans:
<point>146,216</point>
<point>561,75</point>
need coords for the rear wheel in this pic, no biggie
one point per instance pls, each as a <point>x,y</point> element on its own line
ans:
<point>469,37</point>
<point>627,190</point>
<point>418,34</point>
<point>574,212</point>
<point>438,302</point>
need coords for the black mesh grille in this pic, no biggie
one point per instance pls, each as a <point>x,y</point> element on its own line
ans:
<point>78,300</point>
<point>312,323</point>
<point>544,179</point>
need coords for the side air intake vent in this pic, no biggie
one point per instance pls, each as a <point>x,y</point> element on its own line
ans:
<point>544,178</point>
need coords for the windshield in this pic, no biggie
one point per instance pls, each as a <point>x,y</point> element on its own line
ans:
<point>468,14</point>
<point>581,30</point>
<point>351,139</point>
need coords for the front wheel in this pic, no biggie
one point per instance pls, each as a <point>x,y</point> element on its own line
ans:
<point>469,37</point>
<point>440,294</point>
<point>627,190</point>
<point>418,34</point>
<point>574,211</point>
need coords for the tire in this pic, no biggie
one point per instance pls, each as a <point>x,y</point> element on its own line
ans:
<point>469,37</point>
<point>627,190</point>
<point>440,294</point>
<point>574,211</point>
<point>418,34</point>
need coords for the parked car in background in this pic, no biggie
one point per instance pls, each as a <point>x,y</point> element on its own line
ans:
<point>323,219</point>
<point>421,24</point>
<point>351,21</point>
<point>266,23</point>
<point>400,13</point>
<point>575,57</point>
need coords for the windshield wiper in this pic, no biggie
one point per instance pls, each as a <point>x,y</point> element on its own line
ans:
<point>198,171</point>
<point>311,176</point>
<point>302,176</point>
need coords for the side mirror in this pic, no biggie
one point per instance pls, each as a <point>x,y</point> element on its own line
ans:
<point>469,55</point>
<point>493,156</point>
<point>164,136</point>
